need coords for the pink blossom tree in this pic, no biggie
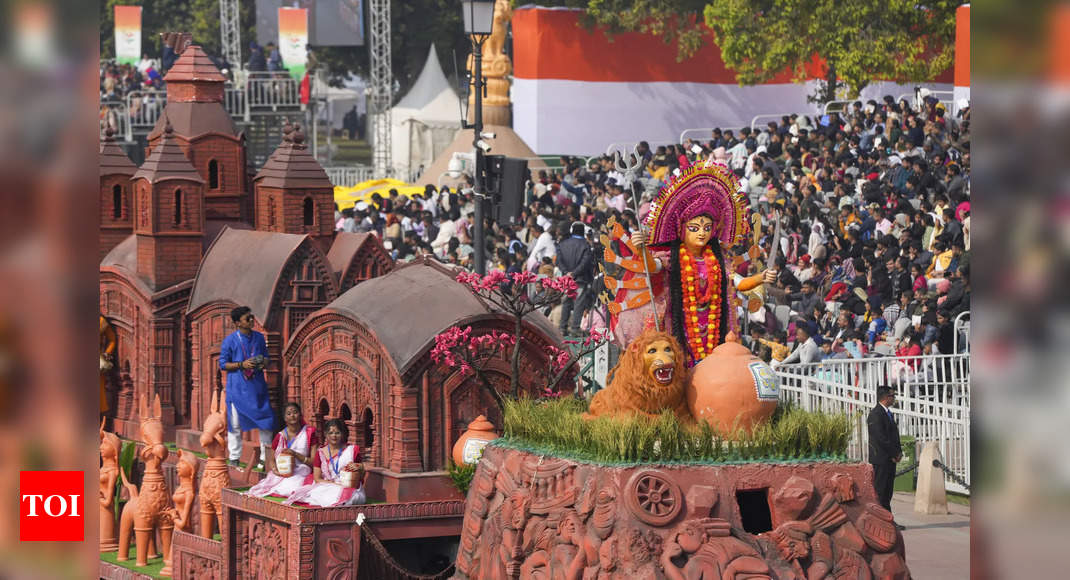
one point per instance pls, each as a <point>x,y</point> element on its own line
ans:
<point>518,295</point>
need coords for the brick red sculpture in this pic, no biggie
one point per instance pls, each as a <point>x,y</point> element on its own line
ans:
<point>531,516</point>
<point>216,476</point>
<point>147,511</point>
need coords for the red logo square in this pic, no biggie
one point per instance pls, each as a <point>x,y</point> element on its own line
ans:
<point>51,506</point>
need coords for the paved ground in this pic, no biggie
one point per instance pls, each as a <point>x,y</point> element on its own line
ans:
<point>938,547</point>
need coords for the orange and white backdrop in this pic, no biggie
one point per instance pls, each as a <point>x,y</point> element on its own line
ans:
<point>575,92</point>
<point>962,53</point>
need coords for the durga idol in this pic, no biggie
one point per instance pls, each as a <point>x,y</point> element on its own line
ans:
<point>691,223</point>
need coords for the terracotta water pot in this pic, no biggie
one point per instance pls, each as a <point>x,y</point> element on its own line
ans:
<point>350,479</point>
<point>284,464</point>
<point>732,388</point>
<point>470,445</point>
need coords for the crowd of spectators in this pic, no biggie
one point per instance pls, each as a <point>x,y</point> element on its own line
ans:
<point>873,205</point>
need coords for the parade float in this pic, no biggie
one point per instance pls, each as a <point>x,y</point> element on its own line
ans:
<point>683,467</point>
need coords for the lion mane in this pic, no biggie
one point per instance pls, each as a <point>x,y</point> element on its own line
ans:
<point>632,390</point>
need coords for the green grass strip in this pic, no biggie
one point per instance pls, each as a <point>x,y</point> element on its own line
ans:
<point>152,569</point>
<point>556,427</point>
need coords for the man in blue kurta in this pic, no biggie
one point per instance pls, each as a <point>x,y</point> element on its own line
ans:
<point>243,356</point>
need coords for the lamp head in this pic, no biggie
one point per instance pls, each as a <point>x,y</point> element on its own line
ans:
<point>478,17</point>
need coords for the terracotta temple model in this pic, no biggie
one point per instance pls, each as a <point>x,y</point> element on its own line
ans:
<point>216,476</point>
<point>147,509</point>
<point>110,447</point>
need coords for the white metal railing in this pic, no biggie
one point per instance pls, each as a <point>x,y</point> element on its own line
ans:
<point>114,114</point>
<point>629,146</point>
<point>754,119</point>
<point>707,130</point>
<point>272,90</point>
<point>962,329</point>
<point>348,176</point>
<point>932,400</point>
<point>234,102</point>
<point>840,106</point>
<point>259,92</point>
<point>145,107</point>
<point>916,99</point>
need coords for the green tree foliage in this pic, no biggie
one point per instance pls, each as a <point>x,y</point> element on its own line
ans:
<point>861,40</point>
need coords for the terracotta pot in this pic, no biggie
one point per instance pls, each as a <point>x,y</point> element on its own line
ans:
<point>349,478</point>
<point>732,388</point>
<point>470,446</point>
<point>284,464</point>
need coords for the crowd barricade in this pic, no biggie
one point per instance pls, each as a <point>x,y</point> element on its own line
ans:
<point>144,109</point>
<point>945,97</point>
<point>114,114</point>
<point>272,91</point>
<point>139,111</point>
<point>349,175</point>
<point>962,332</point>
<point>777,116</point>
<point>701,133</point>
<point>932,400</point>
<point>628,147</point>
<point>234,102</point>
<point>837,106</point>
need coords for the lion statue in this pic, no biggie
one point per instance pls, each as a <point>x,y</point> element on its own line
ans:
<point>649,378</point>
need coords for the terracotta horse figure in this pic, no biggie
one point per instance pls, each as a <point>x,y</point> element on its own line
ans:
<point>147,509</point>
<point>216,476</point>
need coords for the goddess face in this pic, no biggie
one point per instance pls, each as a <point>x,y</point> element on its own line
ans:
<point>697,232</point>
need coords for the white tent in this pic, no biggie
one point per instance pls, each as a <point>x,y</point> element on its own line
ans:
<point>339,100</point>
<point>425,120</point>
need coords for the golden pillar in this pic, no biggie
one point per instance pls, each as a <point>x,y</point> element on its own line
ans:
<point>496,70</point>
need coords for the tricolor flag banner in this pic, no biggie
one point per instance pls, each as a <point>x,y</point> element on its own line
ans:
<point>293,40</point>
<point>128,34</point>
<point>575,92</point>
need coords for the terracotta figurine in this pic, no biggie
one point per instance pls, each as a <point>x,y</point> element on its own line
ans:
<point>147,509</point>
<point>183,498</point>
<point>110,447</point>
<point>216,476</point>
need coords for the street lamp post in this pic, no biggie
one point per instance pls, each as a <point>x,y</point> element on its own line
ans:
<point>478,17</point>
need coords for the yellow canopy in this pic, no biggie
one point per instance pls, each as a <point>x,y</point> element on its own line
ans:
<point>347,197</point>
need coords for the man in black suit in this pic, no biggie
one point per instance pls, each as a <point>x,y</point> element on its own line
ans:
<point>884,447</point>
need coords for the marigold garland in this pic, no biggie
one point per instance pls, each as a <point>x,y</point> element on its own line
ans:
<point>693,300</point>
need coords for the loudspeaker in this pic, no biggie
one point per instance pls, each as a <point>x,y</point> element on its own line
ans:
<point>505,180</point>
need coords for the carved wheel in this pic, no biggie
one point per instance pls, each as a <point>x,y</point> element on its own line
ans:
<point>654,498</point>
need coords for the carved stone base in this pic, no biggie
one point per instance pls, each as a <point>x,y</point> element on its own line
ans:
<point>530,516</point>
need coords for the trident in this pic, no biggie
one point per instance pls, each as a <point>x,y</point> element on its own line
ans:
<point>630,172</point>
